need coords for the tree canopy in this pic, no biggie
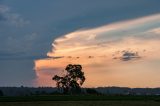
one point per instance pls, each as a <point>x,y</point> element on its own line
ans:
<point>72,81</point>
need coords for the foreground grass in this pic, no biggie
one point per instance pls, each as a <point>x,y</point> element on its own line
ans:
<point>80,98</point>
<point>82,103</point>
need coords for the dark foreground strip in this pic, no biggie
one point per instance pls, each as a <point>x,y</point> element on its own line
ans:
<point>79,98</point>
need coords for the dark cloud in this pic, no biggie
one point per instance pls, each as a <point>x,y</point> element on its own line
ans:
<point>6,55</point>
<point>2,18</point>
<point>16,73</point>
<point>3,10</point>
<point>108,11</point>
<point>11,18</point>
<point>126,55</point>
<point>50,23</point>
<point>49,19</point>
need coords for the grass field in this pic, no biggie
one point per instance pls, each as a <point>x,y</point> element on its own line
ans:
<point>81,100</point>
<point>82,103</point>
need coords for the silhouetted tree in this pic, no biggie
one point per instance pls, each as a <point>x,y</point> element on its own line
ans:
<point>72,81</point>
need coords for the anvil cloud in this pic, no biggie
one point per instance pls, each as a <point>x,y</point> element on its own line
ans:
<point>103,52</point>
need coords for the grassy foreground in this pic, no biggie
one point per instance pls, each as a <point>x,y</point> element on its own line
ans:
<point>81,100</point>
<point>82,103</point>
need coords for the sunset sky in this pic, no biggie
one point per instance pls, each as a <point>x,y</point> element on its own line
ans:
<point>115,41</point>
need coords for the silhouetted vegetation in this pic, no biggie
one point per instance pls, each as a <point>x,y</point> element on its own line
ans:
<point>72,81</point>
<point>91,91</point>
<point>1,93</point>
<point>29,91</point>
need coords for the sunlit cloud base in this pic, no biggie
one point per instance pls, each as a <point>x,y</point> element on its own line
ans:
<point>125,53</point>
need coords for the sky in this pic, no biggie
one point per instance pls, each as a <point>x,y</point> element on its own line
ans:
<point>116,42</point>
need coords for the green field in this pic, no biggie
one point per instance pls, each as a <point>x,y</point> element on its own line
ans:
<point>82,103</point>
<point>81,100</point>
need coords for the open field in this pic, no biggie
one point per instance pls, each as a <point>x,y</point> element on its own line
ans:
<point>81,100</point>
<point>82,103</point>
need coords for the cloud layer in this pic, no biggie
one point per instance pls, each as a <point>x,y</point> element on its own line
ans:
<point>9,18</point>
<point>28,28</point>
<point>103,52</point>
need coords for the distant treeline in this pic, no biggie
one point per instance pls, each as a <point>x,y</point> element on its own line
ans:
<point>28,91</point>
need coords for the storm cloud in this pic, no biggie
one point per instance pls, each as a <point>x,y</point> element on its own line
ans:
<point>28,28</point>
<point>123,45</point>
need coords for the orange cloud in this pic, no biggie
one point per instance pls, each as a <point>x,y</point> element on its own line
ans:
<point>96,50</point>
